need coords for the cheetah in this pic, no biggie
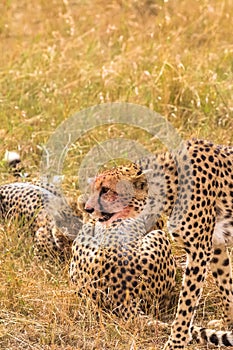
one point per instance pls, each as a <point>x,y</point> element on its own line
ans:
<point>123,267</point>
<point>41,207</point>
<point>193,187</point>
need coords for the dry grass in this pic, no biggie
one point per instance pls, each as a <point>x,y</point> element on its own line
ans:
<point>59,57</point>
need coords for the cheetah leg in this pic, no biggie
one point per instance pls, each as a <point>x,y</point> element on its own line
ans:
<point>43,242</point>
<point>196,268</point>
<point>58,237</point>
<point>222,271</point>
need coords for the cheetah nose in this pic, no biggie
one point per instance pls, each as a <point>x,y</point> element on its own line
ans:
<point>89,209</point>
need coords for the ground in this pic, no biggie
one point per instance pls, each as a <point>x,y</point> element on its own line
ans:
<point>62,56</point>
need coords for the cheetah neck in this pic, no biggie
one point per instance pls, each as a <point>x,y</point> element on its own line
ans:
<point>162,176</point>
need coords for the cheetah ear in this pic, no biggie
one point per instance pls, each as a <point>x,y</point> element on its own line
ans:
<point>147,171</point>
<point>82,199</point>
<point>141,174</point>
<point>139,181</point>
<point>57,179</point>
<point>90,180</point>
<point>138,176</point>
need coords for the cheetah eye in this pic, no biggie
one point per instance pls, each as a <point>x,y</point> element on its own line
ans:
<point>104,190</point>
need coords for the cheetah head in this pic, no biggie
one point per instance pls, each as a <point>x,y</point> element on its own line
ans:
<point>117,193</point>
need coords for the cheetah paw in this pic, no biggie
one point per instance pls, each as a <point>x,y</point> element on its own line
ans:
<point>170,346</point>
<point>216,324</point>
<point>159,324</point>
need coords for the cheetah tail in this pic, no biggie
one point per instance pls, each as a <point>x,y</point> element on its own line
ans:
<point>205,335</point>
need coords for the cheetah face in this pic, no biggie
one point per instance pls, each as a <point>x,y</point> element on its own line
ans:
<point>117,193</point>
